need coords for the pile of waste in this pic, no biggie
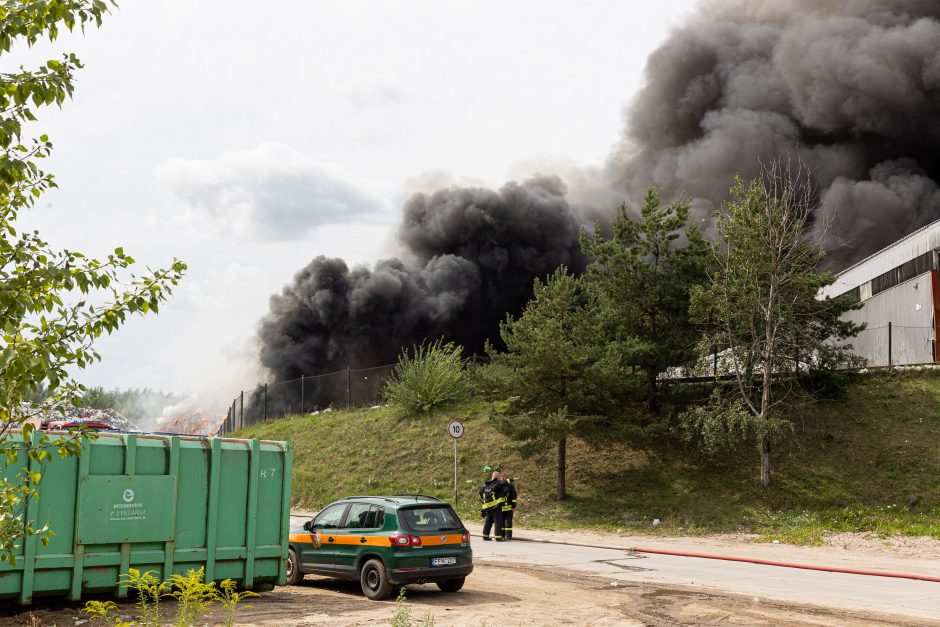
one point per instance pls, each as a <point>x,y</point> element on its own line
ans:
<point>64,411</point>
<point>195,422</point>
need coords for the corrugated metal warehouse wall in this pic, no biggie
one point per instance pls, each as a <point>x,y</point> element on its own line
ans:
<point>909,309</point>
<point>898,289</point>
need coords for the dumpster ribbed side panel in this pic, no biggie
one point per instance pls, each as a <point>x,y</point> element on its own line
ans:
<point>29,545</point>
<point>154,502</point>
<point>212,520</point>
<point>287,472</point>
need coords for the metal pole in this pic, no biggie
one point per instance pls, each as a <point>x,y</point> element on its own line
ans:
<point>889,346</point>
<point>716,363</point>
<point>241,409</point>
<point>455,472</point>
<point>265,401</point>
<point>348,387</point>
<point>301,393</point>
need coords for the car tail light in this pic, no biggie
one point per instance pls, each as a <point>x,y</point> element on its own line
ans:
<point>403,539</point>
<point>465,537</point>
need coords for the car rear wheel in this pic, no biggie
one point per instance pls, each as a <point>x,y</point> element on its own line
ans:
<point>451,585</point>
<point>294,574</point>
<point>374,581</point>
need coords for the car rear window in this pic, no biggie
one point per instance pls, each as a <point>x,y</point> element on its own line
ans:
<point>429,518</point>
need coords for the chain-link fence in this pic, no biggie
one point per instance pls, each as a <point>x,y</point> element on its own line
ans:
<point>895,345</point>
<point>351,387</point>
<point>885,346</point>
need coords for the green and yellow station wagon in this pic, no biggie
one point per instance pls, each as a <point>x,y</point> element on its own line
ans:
<point>383,542</point>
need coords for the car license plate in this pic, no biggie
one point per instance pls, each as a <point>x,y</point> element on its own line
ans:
<point>443,561</point>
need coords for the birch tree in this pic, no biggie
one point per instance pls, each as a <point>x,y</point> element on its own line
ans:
<point>762,311</point>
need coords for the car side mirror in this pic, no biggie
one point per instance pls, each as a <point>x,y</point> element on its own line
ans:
<point>308,526</point>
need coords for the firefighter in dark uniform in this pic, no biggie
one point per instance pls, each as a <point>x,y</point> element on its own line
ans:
<point>492,498</point>
<point>509,506</point>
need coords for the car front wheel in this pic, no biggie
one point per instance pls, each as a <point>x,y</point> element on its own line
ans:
<point>451,585</point>
<point>294,574</point>
<point>374,581</point>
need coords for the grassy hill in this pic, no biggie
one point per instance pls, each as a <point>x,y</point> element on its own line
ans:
<point>868,461</point>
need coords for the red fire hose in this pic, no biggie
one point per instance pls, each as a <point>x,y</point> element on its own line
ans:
<point>750,560</point>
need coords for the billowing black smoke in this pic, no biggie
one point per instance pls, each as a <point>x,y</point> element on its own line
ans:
<point>851,87</point>
<point>472,256</point>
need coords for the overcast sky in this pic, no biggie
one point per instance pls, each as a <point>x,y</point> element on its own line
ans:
<point>246,138</point>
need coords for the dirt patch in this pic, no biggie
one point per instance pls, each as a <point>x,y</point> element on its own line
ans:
<point>500,594</point>
<point>870,542</point>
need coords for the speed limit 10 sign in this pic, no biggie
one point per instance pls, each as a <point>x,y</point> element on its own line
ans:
<point>455,429</point>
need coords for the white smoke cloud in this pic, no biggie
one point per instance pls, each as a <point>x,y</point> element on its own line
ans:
<point>270,192</point>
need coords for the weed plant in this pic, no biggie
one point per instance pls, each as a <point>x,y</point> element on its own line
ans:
<point>402,615</point>
<point>194,599</point>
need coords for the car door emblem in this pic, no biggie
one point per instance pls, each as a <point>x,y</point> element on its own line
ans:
<point>443,539</point>
<point>316,540</point>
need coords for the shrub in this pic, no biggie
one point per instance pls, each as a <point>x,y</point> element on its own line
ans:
<point>429,376</point>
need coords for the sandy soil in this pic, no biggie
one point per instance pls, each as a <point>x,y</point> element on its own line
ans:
<point>501,595</point>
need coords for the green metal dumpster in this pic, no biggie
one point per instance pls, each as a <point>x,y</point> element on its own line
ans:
<point>155,502</point>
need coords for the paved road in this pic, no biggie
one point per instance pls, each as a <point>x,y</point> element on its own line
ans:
<point>910,598</point>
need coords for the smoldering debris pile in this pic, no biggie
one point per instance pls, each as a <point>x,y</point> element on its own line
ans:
<point>849,87</point>
<point>197,422</point>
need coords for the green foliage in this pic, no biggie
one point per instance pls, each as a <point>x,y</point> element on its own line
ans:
<point>107,611</point>
<point>429,376</point>
<point>402,615</point>
<point>641,277</point>
<point>54,304</point>
<point>557,378</point>
<point>231,599</point>
<point>193,595</point>
<point>149,591</point>
<point>761,307</point>
<point>722,424</point>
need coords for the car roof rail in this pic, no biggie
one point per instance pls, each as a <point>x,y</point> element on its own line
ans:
<point>368,496</point>
<point>421,496</point>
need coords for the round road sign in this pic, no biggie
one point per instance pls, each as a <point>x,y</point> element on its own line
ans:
<point>455,429</point>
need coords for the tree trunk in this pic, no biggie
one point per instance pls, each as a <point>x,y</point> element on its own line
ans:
<point>765,462</point>
<point>561,469</point>
<point>653,400</point>
<point>765,390</point>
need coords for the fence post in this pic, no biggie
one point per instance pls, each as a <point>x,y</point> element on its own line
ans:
<point>348,387</point>
<point>889,346</point>
<point>473,359</point>
<point>716,363</point>
<point>241,409</point>
<point>301,393</point>
<point>265,402</point>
